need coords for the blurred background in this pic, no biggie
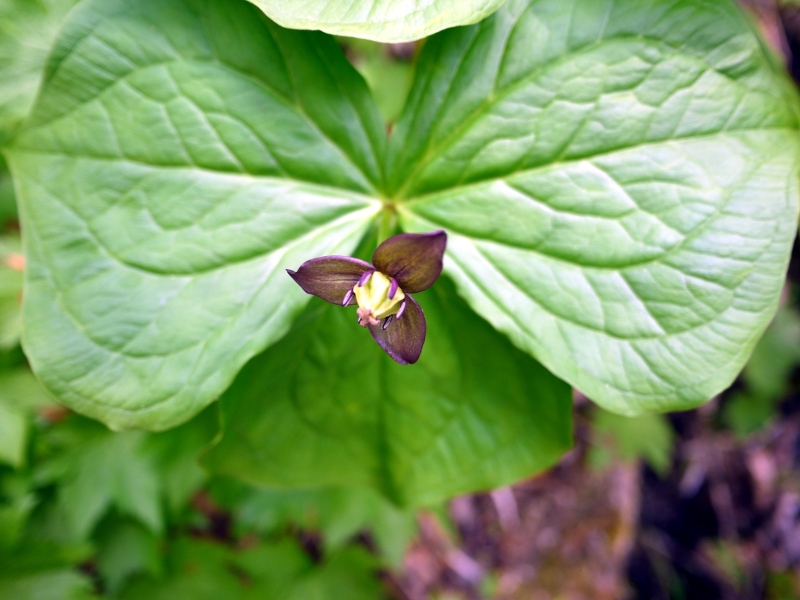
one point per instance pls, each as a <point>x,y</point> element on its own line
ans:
<point>696,505</point>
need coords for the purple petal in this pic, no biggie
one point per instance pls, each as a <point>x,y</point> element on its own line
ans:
<point>330,277</point>
<point>414,260</point>
<point>403,338</point>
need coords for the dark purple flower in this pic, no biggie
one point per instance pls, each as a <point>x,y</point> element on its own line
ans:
<point>402,265</point>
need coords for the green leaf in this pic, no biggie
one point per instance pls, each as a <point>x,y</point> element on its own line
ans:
<point>13,435</point>
<point>27,546</point>
<point>27,29</point>
<point>163,193</point>
<point>13,517</point>
<point>21,390</point>
<point>280,571</point>
<point>338,513</point>
<point>619,182</point>
<point>112,472</point>
<point>351,574</point>
<point>325,406</point>
<point>200,570</point>
<point>97,470</point>
<point>12,263</point>
<point>51,585</point>
<point>8,202</point>
<point>20,393</point>
<point>745,413</point>
<point>649,437</point>
<point>275,568</point>
<point>126,549</point>
<point>379,20</point>
<point>784,585</point>
<point>32,557</point>
<point>776,354</point>
<point>175,455</point>
<point>766,375</point>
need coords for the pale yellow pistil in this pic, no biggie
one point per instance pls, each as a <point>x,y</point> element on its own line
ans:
<point>374,303</point>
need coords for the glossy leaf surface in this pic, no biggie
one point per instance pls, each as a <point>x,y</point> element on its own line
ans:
<point>473,413</point>
<point>165,192</point>
<point>380,20</point>
<point>27,29</point>
<point>619,184</point>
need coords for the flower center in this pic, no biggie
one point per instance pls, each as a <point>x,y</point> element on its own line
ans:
<point>378,297</point>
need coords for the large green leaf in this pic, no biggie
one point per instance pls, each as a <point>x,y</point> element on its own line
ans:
<point>619,180</point>
<point>27,29</point>
<point>180,156</point>
<point>380,20</point>
<point>323,407</point>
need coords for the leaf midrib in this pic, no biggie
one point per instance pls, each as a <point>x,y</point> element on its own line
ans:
<point>289,103</point>
<point>627,339</point>
<point>429,196</point>
<point>498,96</point>
<point>431,151</point>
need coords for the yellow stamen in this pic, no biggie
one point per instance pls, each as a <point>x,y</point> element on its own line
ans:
<point>374,303</point>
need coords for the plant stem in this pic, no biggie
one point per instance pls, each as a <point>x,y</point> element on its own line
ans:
<point>388,223</point>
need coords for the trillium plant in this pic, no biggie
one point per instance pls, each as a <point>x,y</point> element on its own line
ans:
<point>404,264</point>
<point>613,185</point>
